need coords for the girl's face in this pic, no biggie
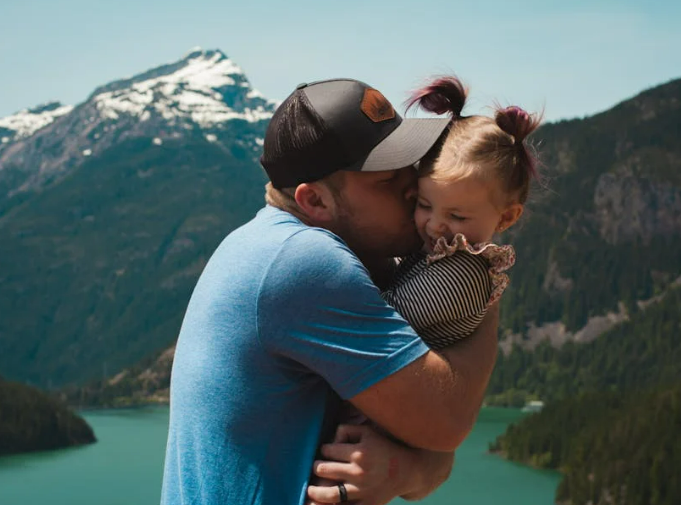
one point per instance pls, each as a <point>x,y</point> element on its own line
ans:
<point>464,206</point>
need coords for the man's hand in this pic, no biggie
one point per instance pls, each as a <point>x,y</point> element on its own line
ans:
<point>375,469</point>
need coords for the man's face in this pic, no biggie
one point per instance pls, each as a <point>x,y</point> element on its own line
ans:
<point>376,213</point>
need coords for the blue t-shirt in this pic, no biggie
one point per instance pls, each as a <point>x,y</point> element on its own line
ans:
<point>283,322</point>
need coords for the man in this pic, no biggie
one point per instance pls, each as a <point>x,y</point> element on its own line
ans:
<point>286,321</point>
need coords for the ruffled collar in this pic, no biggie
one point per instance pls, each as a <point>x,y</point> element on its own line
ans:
<point>499,257</point>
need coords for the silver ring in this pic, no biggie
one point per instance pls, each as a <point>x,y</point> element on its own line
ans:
<point>343,493</point>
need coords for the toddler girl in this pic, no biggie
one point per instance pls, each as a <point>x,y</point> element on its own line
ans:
<point>473,184</point>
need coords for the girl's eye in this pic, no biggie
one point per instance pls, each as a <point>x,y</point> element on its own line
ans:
<point>456,217</point>
<point>423,205</point>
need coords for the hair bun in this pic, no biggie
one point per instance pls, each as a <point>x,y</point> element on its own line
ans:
<point>516,122</point>
<point>444,95</point>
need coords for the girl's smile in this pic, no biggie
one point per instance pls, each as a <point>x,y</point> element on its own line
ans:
<point>464,206</point>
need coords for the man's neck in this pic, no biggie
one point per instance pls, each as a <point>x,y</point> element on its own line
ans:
<point>287,203</point>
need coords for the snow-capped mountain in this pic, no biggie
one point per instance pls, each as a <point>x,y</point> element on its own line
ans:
<point>205,94</point>
<point>110,209</point>
<point>205,88</point>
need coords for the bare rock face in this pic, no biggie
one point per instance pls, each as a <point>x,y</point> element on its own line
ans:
<point>630,207</point>
<point>554,283</point>
<point>557,334</point>
<point>147,383</point>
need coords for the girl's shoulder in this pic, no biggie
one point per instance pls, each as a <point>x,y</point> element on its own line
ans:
<point>499,258</point>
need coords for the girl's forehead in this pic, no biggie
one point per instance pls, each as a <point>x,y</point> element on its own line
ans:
<point>467,192</point>
<point>462,185</point>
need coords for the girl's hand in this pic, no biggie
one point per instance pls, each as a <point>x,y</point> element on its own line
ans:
<point>373,468</point>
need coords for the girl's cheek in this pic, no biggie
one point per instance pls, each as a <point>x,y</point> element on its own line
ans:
<point>420,219</point>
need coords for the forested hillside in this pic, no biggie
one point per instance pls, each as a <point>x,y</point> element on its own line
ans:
<point>620,448</point>
<point>33,421</point>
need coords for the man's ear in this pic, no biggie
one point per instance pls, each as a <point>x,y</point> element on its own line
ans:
<point>510,216</point>
<point>316,201</point>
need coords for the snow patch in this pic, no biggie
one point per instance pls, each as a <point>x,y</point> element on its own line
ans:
<point>87,152</point>
<point>157,141</point>
<point>25,123</point>
<point>190,92</point>
<point>211,138</point>
<point>5,140</point>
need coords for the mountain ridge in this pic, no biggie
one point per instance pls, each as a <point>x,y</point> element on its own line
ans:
<point>550,280</point>
<point>119,229</point>
<point>203,94</point>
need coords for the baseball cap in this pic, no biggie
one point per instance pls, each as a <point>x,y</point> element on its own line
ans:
<point>341,124</point>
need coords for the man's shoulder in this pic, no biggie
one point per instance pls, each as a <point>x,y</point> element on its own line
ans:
<point>309,260</point>
<point>313,254</point>
<point>298,246</point>
<point>271,221</point>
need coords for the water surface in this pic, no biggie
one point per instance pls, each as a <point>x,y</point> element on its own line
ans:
<point>125,467</point>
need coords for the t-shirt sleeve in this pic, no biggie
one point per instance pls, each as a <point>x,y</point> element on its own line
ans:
<point>318,308</point>
<point>444,301</point>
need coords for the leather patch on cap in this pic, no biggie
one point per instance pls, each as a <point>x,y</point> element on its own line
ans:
<point>376,107</point>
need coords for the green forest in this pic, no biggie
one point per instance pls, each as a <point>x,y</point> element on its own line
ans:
<point>30,420</point>
<point>612,447</point>
<point>603,233</point>
<point>595,171</point>
<point>640,353</point>
<point>612,424</point>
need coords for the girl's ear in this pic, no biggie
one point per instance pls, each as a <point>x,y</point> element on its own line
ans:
<point>316,201</point>
<point>510,216</point>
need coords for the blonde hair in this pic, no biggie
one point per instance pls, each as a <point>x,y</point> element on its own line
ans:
<point>492,149</point>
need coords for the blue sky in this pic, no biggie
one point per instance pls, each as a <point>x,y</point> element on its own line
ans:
<point>572,58</point>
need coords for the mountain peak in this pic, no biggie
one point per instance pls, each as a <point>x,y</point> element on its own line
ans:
<point>202,95</point>
<point>199,52</point>
<point>204,87</point>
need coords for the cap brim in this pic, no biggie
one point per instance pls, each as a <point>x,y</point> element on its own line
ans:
<point>406,145</point>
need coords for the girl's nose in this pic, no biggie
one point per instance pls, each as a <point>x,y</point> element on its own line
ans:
<point>437,226</point>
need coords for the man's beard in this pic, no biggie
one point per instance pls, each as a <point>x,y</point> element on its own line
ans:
<point>369,243</point>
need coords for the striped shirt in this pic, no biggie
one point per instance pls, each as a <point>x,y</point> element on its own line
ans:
<point>444,301</point>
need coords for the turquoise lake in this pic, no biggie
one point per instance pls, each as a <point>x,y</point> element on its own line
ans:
<point>125,467</point>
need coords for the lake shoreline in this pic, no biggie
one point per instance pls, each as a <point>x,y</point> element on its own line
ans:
<point>126,466</point>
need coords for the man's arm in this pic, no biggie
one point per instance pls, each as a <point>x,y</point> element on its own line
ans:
<point>324,313</point>
<point>431,469</point>
<point>433,402</point>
